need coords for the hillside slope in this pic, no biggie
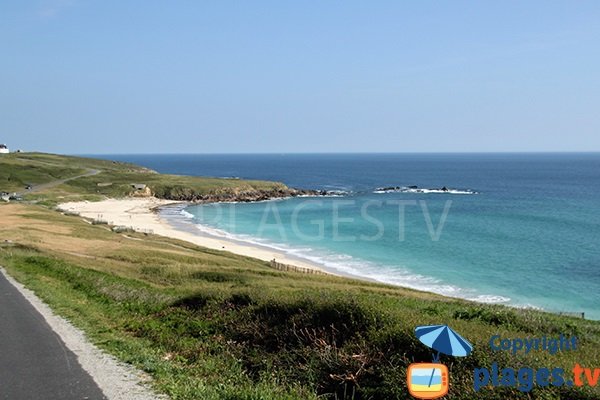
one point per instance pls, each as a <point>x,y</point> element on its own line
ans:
<point>117,179</point>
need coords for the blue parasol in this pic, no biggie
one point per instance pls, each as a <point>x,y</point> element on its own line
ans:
<point>444,340</point>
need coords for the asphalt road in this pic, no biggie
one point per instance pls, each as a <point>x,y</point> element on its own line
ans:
<point>34,361</point>
<point>44,186</point>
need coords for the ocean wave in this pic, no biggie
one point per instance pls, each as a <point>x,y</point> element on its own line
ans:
<point>221,233</point>
<point>393,275</point>
<point>492,299</point>
<point>345,264</point>
<point>174,210</point>
<point>187,214</point>
<point>337,190</point>
<point>337,193</point>
<point>415,189</point>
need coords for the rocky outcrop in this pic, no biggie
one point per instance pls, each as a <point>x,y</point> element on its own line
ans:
<point>237,195</point>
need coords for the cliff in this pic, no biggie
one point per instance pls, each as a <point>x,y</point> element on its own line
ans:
<point>278,191</point>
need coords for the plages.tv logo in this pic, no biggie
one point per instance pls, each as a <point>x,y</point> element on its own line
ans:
<point>431,380</point>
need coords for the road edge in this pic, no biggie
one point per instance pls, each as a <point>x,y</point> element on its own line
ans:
<point>117,380</point>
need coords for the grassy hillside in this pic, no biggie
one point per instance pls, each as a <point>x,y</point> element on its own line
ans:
<point>15,172</point>
<point>213,325</point>
<point>107,178</point>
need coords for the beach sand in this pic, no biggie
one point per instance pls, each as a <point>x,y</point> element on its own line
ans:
<point>139,214</point>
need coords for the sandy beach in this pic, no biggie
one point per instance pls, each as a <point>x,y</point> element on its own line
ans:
<point>139,214</point>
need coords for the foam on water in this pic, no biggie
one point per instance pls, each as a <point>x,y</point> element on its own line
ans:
<point>423,191</point>
<point>492,299</point>
<point>347,265</point>
<point>186,214</point>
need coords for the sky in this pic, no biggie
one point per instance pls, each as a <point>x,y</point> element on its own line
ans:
<point>104,77</point>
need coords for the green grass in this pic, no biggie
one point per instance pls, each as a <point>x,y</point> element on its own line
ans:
<point>164,185</point>
<point>213,325</point>
<point>114,179</point>
<point>15,175</point>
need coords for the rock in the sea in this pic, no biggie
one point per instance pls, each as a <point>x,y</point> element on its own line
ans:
<point>388,189</point>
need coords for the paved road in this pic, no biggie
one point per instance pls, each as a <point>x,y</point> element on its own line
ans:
<point>34,361</point>
<point>44,186</point>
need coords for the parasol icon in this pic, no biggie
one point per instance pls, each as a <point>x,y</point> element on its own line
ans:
<point>443,339</point>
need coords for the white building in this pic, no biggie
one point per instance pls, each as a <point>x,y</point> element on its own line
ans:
<point>4,149</point>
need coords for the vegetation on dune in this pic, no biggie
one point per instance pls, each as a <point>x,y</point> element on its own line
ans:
<point>213,325</point>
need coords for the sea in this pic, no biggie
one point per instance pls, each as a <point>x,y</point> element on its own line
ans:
<point>519,229</point>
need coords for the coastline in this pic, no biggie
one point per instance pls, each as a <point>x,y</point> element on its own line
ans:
<point>140,214</point>
<point>147,215</point>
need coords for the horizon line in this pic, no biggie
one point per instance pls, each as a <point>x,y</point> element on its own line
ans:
<point>345,153</point>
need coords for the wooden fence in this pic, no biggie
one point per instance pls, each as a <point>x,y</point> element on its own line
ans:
<point>288,267</point>
<point>574,314</point>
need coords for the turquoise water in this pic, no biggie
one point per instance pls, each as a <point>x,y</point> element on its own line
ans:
<point>524,231</point>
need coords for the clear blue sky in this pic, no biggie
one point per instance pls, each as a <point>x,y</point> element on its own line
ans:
<point>85,76</point>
